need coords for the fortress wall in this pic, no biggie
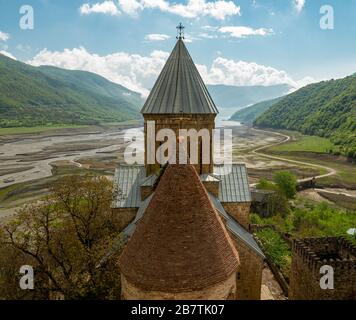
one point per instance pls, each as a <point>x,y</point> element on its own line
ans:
<point>309,255</point>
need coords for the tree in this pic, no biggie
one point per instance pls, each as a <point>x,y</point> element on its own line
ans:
<point>264,184</point>
<point>286,182</point>
<point>64,238</point>
<point>277,201</point>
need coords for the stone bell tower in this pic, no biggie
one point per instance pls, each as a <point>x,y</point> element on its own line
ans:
<point>179,100</point>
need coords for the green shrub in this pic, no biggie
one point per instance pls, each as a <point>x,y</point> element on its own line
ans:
<point>277,202</point>
<point>286,182</point>
<point>321,220</point>
<point>276,249</point>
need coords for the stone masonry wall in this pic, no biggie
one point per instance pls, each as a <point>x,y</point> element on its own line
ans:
<point>176,122</point>
<point>212,187</point>
<point>222,291</point>
<point>124,216</point>
<point>145,192</point>
<point>239,211</point>
<point>308,258</point>
<point>249,275</point>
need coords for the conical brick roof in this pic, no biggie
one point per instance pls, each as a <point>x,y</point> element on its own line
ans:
<point>180,244</point>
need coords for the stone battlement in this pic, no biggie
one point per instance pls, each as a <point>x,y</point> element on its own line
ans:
<point>309,255</point>
<point>333,251</point>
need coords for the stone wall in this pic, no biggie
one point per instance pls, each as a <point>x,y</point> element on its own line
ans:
<point>124,216</point>
<point>309,255</point>
<point>249,275</point>
<point>239,211</point>
<point>212,187</point>
<point>176,122</point>
<point>146,191</point>
<point>222,291</point>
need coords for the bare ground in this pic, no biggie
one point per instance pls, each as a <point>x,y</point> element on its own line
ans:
<point>37,160</point>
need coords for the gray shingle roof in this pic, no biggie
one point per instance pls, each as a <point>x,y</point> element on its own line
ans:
<point>207,177</point>
<point>149,181</point>
<point>236,228</point>
<point>179,88</point>
<point>127,180</point>
<point>128,231</point>
<point>234,186</point>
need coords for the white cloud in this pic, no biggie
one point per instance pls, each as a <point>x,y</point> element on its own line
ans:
<point>244,32</point>
<point>131,7</point>
<point>207,35</point>
<point>194,8</point>
<point>189,38</point>
<point>139,73</point>
<point>218,9</point>
<point>133,71</point>
<point>304,82</point>
<point>242,73</point>
<point>299,4</point>
<point>156,37</point>
<point>210,28</point>
<point>106,7</point>
<point>7,54</point>
<point>4,36</point>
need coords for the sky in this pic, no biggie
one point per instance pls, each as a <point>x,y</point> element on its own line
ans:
<point>232,42</point>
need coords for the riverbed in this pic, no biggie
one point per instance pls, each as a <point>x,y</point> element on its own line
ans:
<point>29,156</point>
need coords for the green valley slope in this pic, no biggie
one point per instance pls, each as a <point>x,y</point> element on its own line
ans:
<point>249,114</point>
<point>32,96</point>
<point>325,109</point>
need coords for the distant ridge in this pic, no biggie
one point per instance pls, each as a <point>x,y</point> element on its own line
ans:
<point>32,96</point>
<point>229,99</point>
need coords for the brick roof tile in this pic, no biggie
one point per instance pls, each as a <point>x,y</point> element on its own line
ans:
<point>181,243</point>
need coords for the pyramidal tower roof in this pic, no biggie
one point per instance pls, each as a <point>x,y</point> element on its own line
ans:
<point>181,243</point>
<point>179,88</point>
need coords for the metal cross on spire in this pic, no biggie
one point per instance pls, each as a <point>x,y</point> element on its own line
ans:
<point>180,31</point>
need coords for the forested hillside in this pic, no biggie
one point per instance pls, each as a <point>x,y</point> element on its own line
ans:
<point>249,114</point>
<point>31,96</point>
<point>326,109</point>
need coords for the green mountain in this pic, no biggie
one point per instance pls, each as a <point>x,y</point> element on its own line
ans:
<point>249,114</point>
<point>31,96</point>
<point>325,109</point>
<point>230,98</point>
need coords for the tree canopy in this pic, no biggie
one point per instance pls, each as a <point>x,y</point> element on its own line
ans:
<point>64,238</point>
<point>325,109</point>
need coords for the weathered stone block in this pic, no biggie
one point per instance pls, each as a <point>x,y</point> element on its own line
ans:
<point>239,211</point>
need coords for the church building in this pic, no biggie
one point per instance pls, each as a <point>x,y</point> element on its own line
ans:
<point>185,226</point>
